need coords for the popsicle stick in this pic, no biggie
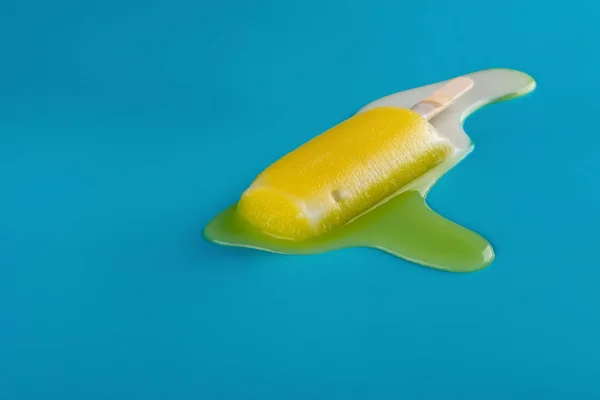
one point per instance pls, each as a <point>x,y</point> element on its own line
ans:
<point>443,97</point>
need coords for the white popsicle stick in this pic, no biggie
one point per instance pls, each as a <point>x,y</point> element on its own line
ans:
<point>443,97</point>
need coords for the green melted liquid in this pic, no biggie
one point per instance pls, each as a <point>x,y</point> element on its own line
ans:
<point>403,225</point>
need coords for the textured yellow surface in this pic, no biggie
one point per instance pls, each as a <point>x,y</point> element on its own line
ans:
<point>343,172</point>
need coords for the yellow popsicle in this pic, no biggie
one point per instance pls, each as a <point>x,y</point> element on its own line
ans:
<point>342,173</point>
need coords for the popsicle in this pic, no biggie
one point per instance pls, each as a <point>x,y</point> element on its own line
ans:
<point>350,168</point>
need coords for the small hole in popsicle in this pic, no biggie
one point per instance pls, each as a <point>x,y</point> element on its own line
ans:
<point>338,195</point>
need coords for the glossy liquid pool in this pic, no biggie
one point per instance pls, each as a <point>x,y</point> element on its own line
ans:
<point>403,225</point>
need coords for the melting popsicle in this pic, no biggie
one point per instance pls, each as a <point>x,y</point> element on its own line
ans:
<point>312,210</point>
<point>348,169</point>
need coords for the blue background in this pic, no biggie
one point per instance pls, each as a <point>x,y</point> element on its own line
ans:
<point>125,126</point>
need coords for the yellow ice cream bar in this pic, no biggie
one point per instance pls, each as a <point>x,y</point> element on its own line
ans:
<point>342,173</point>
